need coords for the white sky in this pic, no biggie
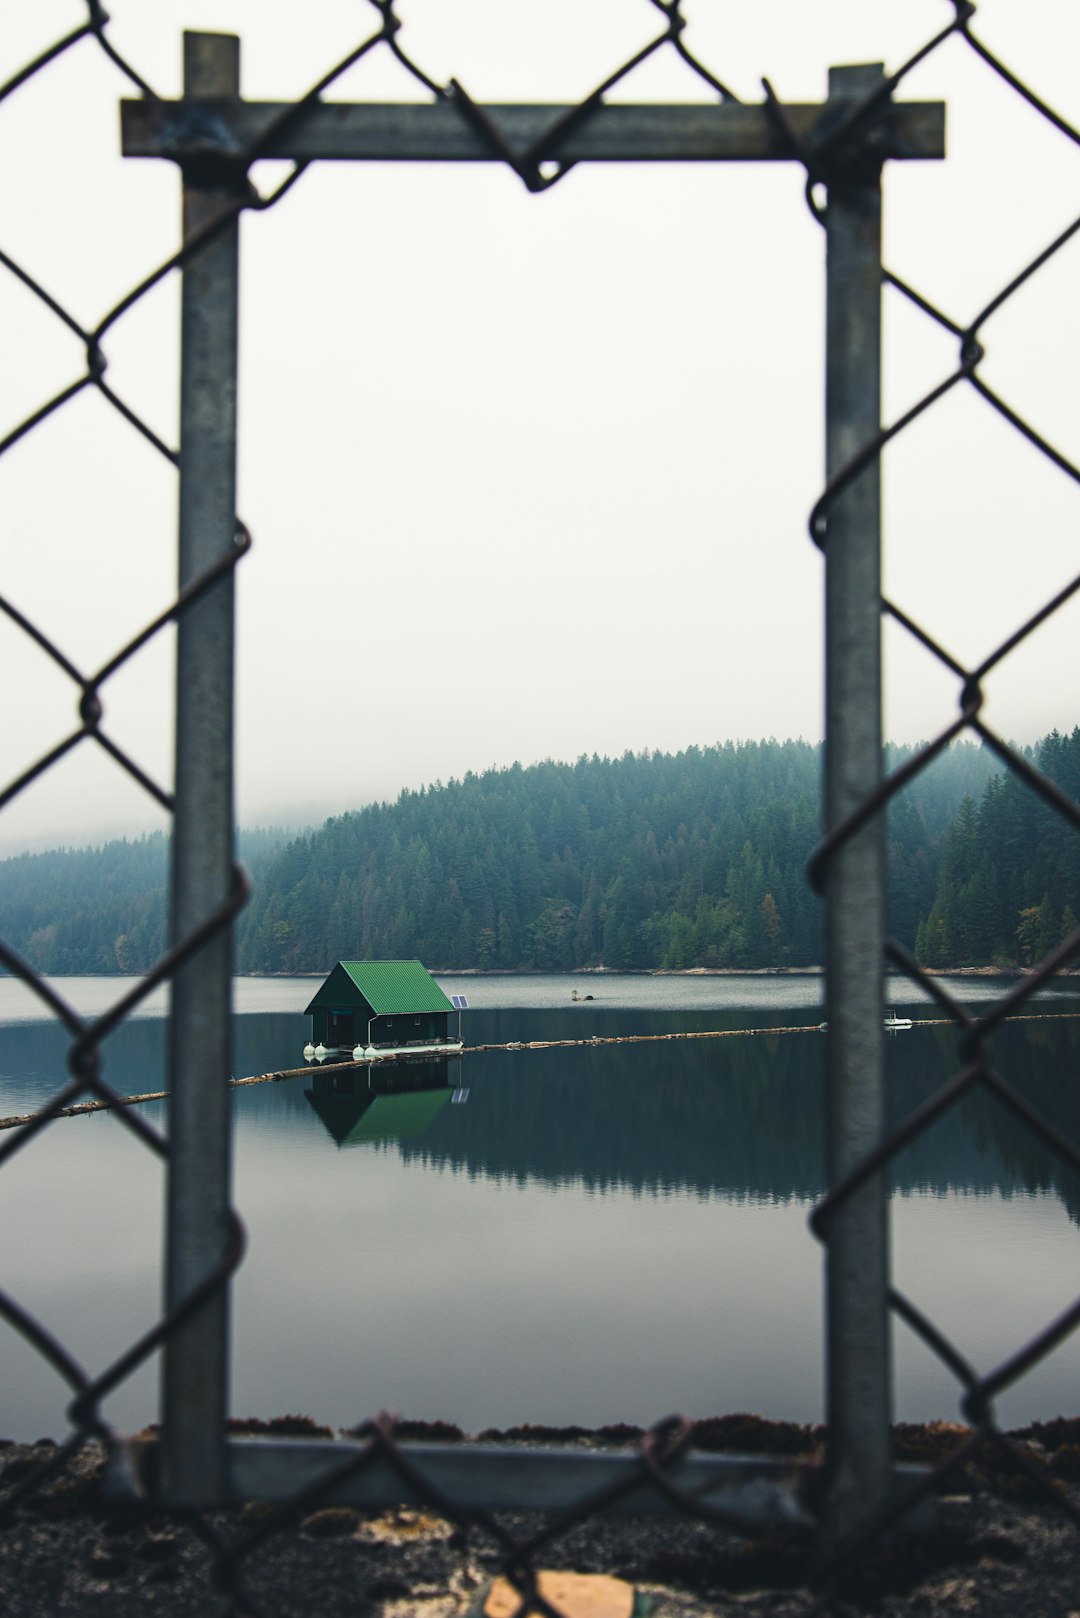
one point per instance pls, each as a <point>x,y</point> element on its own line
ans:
<point>527,476</point>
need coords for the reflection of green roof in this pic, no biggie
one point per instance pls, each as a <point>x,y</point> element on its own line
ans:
<point>389,987</point>
<point>385,1118</point>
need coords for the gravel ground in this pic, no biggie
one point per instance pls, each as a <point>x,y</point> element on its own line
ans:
<point>998,1547</point>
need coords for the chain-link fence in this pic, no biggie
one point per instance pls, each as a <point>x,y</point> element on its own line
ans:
<point>194,1464</point>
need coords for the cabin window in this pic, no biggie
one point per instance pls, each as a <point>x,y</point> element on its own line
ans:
<point>389,1022</point>
<point>416,1020</point>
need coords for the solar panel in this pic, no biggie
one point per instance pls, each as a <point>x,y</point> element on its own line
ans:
<point>460,1002</point>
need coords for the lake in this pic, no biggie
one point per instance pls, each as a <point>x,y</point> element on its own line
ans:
<point>586,1235</point>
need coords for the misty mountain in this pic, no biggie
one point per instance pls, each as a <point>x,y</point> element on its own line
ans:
<point>649,860</point>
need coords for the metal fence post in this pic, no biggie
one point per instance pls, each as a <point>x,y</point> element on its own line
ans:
<point>196,1355</point>
<point>858,1357</point>
<point>206,141</point>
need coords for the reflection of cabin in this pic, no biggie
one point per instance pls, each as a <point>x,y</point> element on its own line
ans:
<point>380,1005</point>
<point>361,1106</point>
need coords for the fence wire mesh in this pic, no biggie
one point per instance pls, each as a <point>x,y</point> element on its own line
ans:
<point>827,160</point>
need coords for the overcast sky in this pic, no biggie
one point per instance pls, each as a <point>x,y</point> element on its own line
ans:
<point>528,476</point>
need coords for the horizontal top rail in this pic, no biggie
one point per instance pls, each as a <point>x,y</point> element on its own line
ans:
<point>762,1489</point>
<point>439,131</point>
<point>509,1476</point>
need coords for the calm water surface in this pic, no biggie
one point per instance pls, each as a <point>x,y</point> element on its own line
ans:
<point>587,1235</point>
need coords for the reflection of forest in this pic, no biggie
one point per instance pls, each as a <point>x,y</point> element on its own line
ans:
<point>743,1117</point>
<point>740,1117</point>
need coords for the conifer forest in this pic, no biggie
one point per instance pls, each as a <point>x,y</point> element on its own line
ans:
<point>644,862</point>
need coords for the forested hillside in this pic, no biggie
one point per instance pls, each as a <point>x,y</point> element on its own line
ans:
<point>1009,885</point>
<point>99,910</point>
<point>649,860</point>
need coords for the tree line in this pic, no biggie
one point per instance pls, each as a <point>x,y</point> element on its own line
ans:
<point>100,910</point>
<point>1008,890</point>
<point>651,860</point>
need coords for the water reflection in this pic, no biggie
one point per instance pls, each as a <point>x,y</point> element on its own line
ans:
<point>743,1117</point>
<point>363,1105</point>
<point>739,1117</point>
<point>622,1228</point>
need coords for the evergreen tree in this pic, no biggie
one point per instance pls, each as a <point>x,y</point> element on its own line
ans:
<point>690,859</point>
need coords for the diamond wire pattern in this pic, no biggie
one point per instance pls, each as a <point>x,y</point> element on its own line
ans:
<point>668,1440</point>
<point>976,1070</point>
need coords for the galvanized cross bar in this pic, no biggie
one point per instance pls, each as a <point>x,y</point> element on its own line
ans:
<point>440,131</point>
<point>214,136</point>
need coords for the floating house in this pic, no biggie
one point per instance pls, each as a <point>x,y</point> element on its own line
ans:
<point>382,1008</point>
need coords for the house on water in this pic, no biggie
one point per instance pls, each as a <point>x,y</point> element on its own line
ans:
<point>381,1008</point>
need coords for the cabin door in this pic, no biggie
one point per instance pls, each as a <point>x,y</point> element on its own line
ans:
<point>340,1029</point>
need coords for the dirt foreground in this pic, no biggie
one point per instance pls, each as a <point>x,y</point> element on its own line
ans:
<point>997,1546</point>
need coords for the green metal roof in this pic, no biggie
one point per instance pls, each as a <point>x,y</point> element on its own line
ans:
<point>392,987</point>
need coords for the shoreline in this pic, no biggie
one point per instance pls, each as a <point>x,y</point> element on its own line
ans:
<point>677,972</point>
<point>603,972</point>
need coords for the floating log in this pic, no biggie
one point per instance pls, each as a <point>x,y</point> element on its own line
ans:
<point>512,1045</point>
